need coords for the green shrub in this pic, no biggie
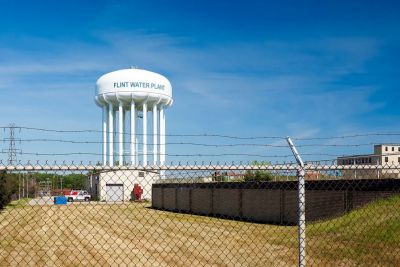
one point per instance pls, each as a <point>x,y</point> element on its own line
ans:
<point>257,176</point>
<point>8,187</point>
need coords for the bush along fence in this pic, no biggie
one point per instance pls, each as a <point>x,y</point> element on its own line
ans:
<point>8,188</point>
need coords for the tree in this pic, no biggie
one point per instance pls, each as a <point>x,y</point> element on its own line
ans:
<point>72,180</point>
<point>8,187</point>
<point>258,175</point>
<point>2,190</point>
<point>219,177</point>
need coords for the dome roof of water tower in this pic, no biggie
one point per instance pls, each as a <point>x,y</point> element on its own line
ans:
<point>133,84</point>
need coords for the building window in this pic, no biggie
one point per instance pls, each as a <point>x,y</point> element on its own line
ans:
<point>370,160</point>
<point>386,159</point>
<point>398,148</point>
<point>386,148</point>
<point>392,148</point>
<point>398,159</point>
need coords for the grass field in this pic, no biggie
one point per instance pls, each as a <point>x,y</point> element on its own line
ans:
<point>135,235</point>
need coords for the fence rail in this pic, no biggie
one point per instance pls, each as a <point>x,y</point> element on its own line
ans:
<point>265,167</point>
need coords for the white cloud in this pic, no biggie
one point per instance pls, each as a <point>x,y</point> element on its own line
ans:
<point>267,88</point>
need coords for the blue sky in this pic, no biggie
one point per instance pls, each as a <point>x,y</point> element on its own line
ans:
<point>243,68</point>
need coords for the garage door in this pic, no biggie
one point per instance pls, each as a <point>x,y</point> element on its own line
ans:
<point>115,192</point>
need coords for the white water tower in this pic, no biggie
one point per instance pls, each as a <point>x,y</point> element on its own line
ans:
<point>133,90</point>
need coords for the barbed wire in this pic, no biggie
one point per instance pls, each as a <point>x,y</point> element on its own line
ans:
<point>100,164</point>
<point>344,136</point>
<point>141,143</point>
<point>206,135</point>
<point>192,143</point>
<point>275,144</point>
<point>150,154</point>
<point>140,134</point>
<point>217,155</point>
<point>210,155</point>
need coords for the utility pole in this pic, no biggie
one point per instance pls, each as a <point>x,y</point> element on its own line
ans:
<point>12,149</point>
<point>19,186</point>
<point>23,186</point>
<point>27,186</point>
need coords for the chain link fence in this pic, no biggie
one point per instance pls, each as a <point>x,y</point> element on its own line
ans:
<point>200,215</point>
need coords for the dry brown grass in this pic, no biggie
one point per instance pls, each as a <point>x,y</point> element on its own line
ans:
<point>132,234</point>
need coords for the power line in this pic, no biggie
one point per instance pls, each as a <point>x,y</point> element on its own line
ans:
<point>345,136</point>
<point>125,133</point>
<point>141,143</point>
<point>207,135</point>
<point>192,143</point>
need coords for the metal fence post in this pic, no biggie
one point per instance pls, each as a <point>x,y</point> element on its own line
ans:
<point>302,205</point>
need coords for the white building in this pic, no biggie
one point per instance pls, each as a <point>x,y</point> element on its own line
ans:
<point>126,96</point>
<point>384,154</point>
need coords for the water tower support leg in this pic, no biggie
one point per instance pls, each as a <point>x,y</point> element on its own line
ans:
<point>105,114</point>
<point>111,134</point>
<point>121,134</point>
<point>162,136</point>
<point>133,133</point>
<point>155,124</point>
<point>144,134</point>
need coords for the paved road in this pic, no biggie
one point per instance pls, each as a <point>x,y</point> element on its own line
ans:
<point>41,201</point>
<point>48,201</point>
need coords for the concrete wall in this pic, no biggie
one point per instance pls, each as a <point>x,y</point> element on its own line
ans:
<point>271,202</point>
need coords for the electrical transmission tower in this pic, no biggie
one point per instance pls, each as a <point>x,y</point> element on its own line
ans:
<point>12,149</point>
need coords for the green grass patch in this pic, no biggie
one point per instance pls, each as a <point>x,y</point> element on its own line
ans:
<point>377,221</point>
<point>18,203</point>
<point>368,234</point>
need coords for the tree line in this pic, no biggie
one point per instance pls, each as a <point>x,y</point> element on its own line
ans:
<point>8,187</point>
<point>27,184</point>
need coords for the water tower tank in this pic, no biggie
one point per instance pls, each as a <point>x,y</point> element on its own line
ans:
<point>137,85</point>
<point>133,90</point>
